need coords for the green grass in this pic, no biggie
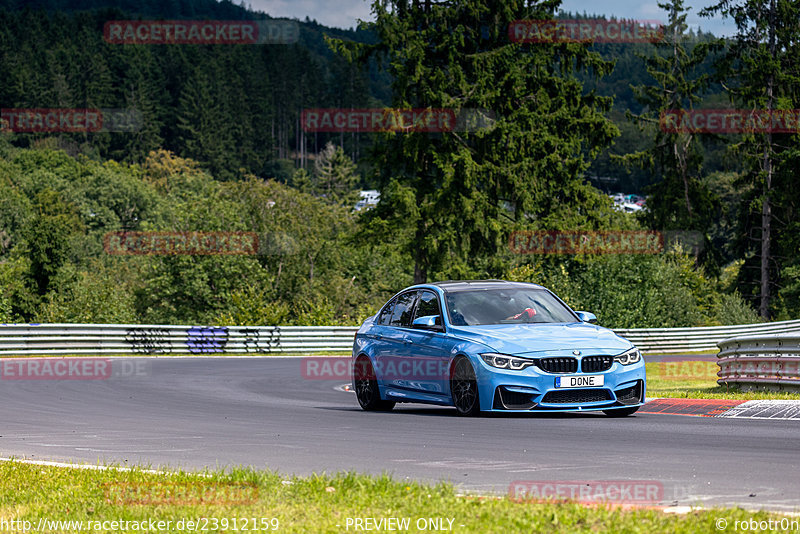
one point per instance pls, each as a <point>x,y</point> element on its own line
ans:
<point>313,504</point>
<point>698,380</point>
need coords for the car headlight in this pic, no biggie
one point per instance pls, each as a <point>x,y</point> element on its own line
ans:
<point>629,357</point>
<point>504,361</point>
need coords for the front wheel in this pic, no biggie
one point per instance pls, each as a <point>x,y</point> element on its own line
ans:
<point>367,387</point>
<point>464,388</point>
<point>621,412</point>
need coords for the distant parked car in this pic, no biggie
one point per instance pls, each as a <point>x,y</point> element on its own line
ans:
<point>493,346</point>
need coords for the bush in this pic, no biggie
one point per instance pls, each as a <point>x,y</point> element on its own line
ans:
<point>732,309</point>
<point>98,295</point>
<point>253,306</point>
<point>627,291</point>
<point>5,310</point>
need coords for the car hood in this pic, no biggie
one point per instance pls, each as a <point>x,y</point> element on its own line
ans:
<point>527,338</point>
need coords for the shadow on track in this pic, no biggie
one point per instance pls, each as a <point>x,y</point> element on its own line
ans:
<point>451,412</point>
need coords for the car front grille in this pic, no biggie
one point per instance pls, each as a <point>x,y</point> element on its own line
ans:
<point>558,365</point>
<point>596,364</point>
<point>576,396</point>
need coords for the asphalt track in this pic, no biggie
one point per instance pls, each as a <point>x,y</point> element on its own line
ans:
<point>261,412</point>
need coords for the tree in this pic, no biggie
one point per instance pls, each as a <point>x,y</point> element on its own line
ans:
<point>458,193</point>
<point>679,200</point>
<point>205,132</point>
<point>763,73</point>
<point>335,176</point>
<point>49,237</point>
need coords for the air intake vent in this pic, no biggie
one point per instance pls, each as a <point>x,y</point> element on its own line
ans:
<point>576,396</point>
<point>513,400</point>
<point>631,395</point>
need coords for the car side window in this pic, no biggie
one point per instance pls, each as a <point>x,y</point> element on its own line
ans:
<point>456,318</point>
<point>428,305</point>
<point>401,315</point>
<point>386,313</point>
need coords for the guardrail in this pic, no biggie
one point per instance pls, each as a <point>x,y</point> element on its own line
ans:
<point>771,361</point>
<point>40,339</point>
<point>43,339</point>
<point>699,339</point>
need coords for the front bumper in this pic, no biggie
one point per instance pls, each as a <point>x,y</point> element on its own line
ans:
<point>534,390</point>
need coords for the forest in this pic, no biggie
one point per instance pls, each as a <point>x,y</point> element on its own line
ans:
<point>221,147</point>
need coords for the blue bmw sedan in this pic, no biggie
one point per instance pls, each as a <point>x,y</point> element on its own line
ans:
<point>493,346</point>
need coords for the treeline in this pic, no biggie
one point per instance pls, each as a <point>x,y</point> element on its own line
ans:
<point>317,261</point>
<point>211,9</point>
<point>234,108</point>
<point>221,148</point>
<point>55,211</point>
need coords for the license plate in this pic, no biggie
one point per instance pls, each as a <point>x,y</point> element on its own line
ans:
<point>579,381</point>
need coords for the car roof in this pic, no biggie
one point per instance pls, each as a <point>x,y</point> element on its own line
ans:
<point>461,285</point>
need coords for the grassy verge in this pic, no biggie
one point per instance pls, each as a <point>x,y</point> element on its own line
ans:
<point>698,380</point>
<point>315,504</point>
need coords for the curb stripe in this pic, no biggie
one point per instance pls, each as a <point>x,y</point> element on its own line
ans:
<point>694,407</point>
<point>740,409</point>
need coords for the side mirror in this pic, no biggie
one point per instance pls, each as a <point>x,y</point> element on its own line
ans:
<point>587,317</point>
<point>428,322</point>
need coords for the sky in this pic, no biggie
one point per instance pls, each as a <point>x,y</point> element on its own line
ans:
<point>344,13</point>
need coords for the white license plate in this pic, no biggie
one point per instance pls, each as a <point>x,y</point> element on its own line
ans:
<point>579,381</point>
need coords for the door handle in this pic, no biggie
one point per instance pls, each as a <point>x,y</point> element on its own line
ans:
<point>378,336</point>
<point>408,342</point>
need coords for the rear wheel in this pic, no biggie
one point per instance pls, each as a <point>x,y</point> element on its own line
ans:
<point>464,388</point>
<point>621,412</point>
<point>367,387</point>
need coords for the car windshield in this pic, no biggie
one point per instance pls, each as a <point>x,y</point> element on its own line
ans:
<point>506,306</point>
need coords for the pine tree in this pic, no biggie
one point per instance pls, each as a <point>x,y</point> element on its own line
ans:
<point>763,73</point>
<point>335,176</point>
<point>205,131</point>
<point>678,200</point>
<point>674,156</point>
<point>456,195</point>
